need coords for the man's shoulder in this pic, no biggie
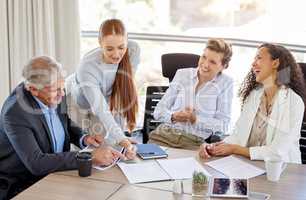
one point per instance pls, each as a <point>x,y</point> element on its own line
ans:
<point>11,102</point>
<point>17,104</point>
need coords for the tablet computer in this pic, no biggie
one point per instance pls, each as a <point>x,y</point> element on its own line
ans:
<point>229,187</point>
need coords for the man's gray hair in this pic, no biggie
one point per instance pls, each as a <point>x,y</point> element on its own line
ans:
<point>41,71</point>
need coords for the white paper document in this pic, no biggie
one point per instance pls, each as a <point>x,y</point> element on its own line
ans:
<point>160,170</point>
<point>181,168</point>
<point>235,168</point>
<point>148,171</point>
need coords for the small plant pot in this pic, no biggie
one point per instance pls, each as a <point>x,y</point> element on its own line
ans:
<point>199,189</point>
<point>200,183</point>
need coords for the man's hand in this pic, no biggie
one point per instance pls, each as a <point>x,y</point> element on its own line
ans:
<point>130,148</point>
<point>106,156</point>
<point>95,140</point>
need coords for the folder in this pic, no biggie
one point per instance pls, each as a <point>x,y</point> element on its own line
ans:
<point>150,151</point>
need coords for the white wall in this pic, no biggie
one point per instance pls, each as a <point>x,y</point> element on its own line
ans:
<point>30,28</point>
<point>4,65</point>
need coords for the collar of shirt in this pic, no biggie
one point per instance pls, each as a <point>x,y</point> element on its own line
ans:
<point>45,108</point>
<point>214,80</point>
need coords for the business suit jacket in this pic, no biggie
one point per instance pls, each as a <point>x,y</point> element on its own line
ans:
<point>26,150</point>
<point>283,130</point>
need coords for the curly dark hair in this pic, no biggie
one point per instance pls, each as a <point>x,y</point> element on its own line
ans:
<point>287,65</point>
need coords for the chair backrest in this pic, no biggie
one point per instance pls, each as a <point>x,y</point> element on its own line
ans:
<point>153,96</point>
<point>171,62</point>
<point>303,129</point>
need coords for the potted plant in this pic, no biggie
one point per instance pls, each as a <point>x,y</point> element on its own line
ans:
<point>199,184</point>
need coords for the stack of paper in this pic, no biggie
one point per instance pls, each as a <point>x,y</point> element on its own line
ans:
<point>235,168</point>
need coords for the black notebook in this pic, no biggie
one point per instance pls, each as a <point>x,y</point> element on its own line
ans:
<point>150,151</point>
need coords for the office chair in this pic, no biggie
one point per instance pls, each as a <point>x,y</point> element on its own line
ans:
<point>303,129</point>
<point>170,63</point>
<point>153,96</point>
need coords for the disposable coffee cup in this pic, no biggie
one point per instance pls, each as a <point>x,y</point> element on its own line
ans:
<point>274,168</point>
<point>84,162</point>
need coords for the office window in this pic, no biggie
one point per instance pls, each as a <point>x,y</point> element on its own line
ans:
<point>247,20</point>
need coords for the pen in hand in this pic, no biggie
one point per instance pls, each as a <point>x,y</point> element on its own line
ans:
<point>131,152</point>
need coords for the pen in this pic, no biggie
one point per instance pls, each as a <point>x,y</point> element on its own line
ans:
<point>123,150</point>
<point>148,153</point>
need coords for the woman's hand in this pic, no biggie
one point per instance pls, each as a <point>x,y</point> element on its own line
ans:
<point>131,152</point>
<point>205,151</point>
<point>187,115</point>
<point>223,149</point>
<point>130,148</point>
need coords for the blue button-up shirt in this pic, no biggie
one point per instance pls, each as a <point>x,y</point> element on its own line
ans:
<point>55,126</point>
<point>212,102</point>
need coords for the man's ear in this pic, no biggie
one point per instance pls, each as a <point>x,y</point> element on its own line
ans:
<point>275,63</point>
<point>34,91</point>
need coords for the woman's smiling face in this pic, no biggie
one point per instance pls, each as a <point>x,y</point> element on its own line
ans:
<point>263,66</point>
<point>114,48</point>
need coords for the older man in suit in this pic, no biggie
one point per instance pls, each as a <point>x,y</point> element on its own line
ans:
<point>35,130</point>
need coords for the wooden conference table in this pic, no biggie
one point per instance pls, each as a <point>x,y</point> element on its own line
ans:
<point>112,184</point>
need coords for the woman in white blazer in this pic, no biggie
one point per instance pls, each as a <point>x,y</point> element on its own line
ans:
<point>272,110</point>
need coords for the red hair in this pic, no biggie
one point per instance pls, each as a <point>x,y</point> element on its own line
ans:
<point>124,95</point>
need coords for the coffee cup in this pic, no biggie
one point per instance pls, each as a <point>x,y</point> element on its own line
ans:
<point>84,162</point>
<point>274,168</point>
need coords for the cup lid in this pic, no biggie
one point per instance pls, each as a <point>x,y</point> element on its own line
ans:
<point>84,155</point>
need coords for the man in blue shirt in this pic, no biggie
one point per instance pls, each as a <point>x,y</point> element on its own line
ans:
<point>36,132</point>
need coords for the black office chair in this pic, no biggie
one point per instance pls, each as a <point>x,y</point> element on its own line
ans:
<point>303,129</point>
<point>153,96</point>
<point>170,63</point>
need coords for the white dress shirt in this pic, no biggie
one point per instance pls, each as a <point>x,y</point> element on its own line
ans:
<point>212,102</point>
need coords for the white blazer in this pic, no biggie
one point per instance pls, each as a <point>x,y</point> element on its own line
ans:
<point>283,129</point>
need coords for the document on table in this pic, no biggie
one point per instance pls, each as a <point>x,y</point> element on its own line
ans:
<point>160,170</point>
<point>181,168</point>
<point>148,171</point>
<point>235,168</point>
